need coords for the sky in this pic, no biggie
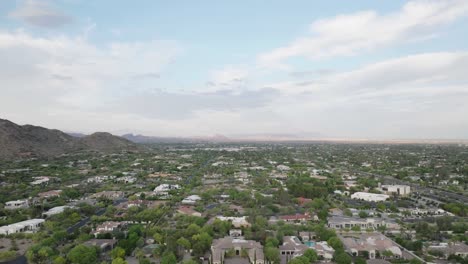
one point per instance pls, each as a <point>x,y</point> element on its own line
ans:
<point>312,69</point>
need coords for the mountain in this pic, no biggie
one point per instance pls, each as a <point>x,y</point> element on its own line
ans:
<point>152,139</point>
<point>34,141</point>
<point>78,135</point>
<point>106,142</point>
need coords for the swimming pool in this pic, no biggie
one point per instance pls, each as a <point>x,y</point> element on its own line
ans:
<point>309,243</point>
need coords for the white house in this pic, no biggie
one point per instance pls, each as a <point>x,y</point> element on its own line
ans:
<point>237,222</point>
<point>40,180</point>
<point>192,199</point>
<point>12,205</point>
<point>108,227</point>
<point>127,179</point>
<point>282,167</point>
<point>370,197</point>
<point>400,190</point>
<point>164,189</point>
<point>31,225</point>
<point>56,210</point>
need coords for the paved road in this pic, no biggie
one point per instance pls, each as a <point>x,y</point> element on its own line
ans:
<point>19,260</point>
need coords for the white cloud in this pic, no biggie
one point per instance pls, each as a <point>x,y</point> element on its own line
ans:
<point>416,96</point>
<point>349,34</point>
<point>69,83</point>
<point>63,77</point>
<point>229,77</point>
<point>74,72</point>
<point>41,14</point>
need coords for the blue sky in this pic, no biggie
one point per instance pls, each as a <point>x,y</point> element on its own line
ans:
<point>335,69</point>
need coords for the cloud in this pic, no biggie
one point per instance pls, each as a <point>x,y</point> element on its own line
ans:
<point>184,106</point>
<point>69,83</point>
<point>41,14</point>
<point>350,34</point>
<point>228,77</point>
<point>147,75</point>
<point>417,96</point>
<point>72,75</point>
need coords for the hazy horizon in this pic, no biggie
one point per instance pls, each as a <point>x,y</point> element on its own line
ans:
<point>393,70</point>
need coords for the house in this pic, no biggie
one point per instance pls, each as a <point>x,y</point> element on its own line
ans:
<point>40,180</point>
<point>99,179</point>
<point>50,194</point>
<point>447,249</point>
<point>18,204</point>
<point>235,233</point>
<point>283,168</point>
<point>112,195</point>
<point>127,179</point>
<point>138,203</point>
<point>370,197</point>
<point>192,199</point>
<point>108,227</point>
<point>369,244</point>
<point>307,236</point>
<point>292,247</point>
<point>164,189</point>
<point>237,222</point>
<point>56,210</point>
<point>299,218</point>
<point>28,226</point>
<point>344,222</point>
<point>301,200</point>
<point>235,250</point>
<point>324,250</point>
<point>188,210</point>
<point>399,190</point>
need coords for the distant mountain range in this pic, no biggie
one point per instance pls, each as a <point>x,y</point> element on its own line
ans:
<point>221,138</point>
<point>34,141</point>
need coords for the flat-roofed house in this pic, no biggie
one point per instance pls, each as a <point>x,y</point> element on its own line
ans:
<point>28,226</point>
<point>345,222</point>
<point>370,197</point>
<point>18,204</point>
<point>399,190</point>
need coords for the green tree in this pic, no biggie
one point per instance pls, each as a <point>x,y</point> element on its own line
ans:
<point>119,261</point>
<point>271,242</point>
<point>118,252</point>
<point>359,260</point>
<point>168,258</point>
<point>311,255</point>
<point>335,243</point>
<point>183,242</point>
<point>192,230</point>
<point>201,243</point>
<point>59,260</point>
<point>39,254</point>
<point>298,260</point>
<point>82,254</point>
<point>272,255</point>
<point>341,257</point>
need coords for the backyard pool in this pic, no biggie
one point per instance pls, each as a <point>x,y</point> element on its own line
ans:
<point>309,243</point>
